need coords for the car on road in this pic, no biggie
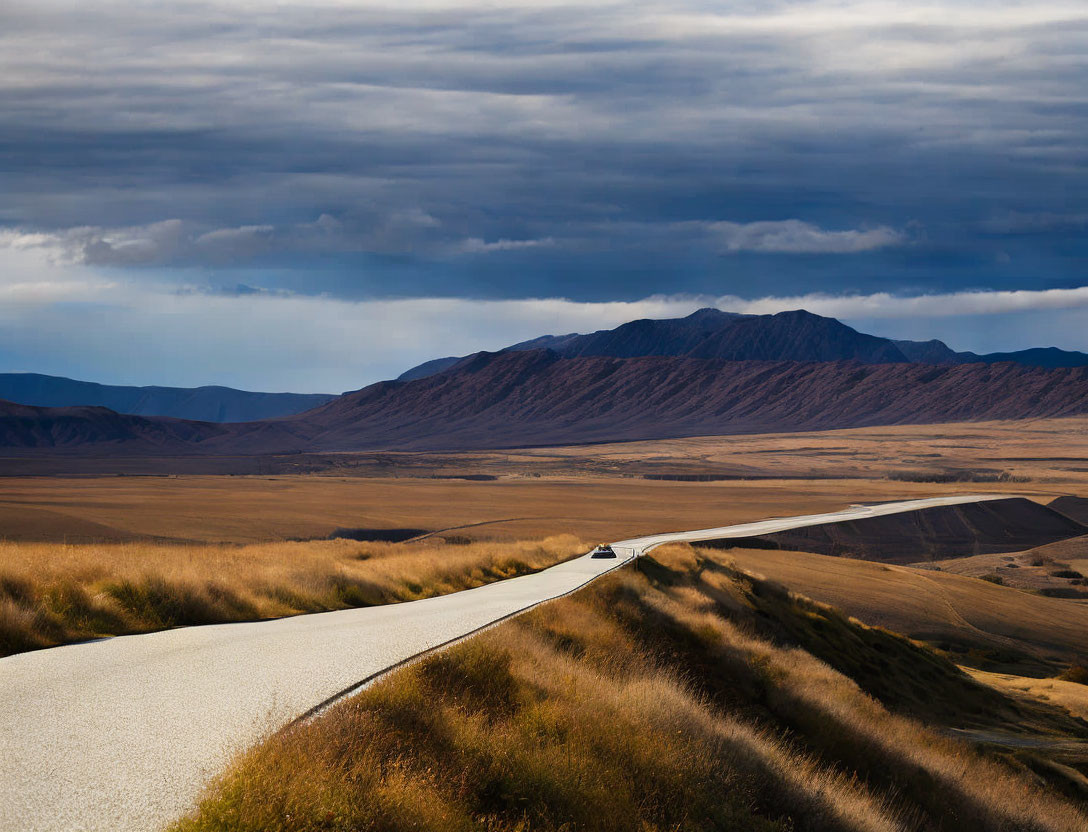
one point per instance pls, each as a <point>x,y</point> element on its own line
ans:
<point>604,551</point>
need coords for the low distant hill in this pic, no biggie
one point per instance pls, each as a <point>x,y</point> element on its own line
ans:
<point>1036,357</point>
<point>207,404</point>
<point>98,430</point>
<point>787,336</point>
<point>991,526</point>
<point>937,352</point>
<point>75,428</point>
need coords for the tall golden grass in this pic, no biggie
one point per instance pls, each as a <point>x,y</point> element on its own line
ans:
<point>52,594</point>
<point>671,699</point>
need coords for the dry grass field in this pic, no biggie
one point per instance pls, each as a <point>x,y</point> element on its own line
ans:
<point>51,594</point>
<point>1057,569</point>
<point>980,623</point>
<point>686,696</point>
<point>1071,696</point>
<point>593,491</point>
<point>256,509</point>
<point>683,695</point>
<point>91,555</point>
<point>1043,450</point>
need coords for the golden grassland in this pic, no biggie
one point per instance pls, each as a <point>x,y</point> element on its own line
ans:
<point>1040,450</point>
<point>978,622</point>
<point>51,594</point>
<point>1056,569</point>
<point>257,509</point>
<point>686,696</point>
<point>593,491</point>
<point>1072,696</point>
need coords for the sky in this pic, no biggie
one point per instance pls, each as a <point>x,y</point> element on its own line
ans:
<point>315,195</point>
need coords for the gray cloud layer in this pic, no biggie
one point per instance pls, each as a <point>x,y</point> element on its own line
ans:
<point>874,160</point>
<point>437,130</point>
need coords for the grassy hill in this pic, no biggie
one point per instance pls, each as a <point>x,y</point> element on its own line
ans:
<point>995,627</point>
<point>686,696</point>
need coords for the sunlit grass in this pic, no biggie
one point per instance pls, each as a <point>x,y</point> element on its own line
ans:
<point>674,699</point>
<point>52,593</point>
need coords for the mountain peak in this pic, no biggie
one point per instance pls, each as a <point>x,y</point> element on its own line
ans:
<point>710,314</point>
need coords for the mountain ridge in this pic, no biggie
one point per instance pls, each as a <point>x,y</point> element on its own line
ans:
<point>539,397</point>
<point>795,335</point>
<point>523,398</point>
<point>210,403</point>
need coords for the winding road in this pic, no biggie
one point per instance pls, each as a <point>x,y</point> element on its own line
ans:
<point>124,733</point>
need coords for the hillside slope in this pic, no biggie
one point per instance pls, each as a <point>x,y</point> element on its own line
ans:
<point>539,398</point>
<point>206,404</point>
<point>929,534</point>
<point>512,399</point>
<point>686,696</point>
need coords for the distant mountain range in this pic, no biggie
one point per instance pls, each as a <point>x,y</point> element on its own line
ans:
<point>708,373</point>
<point>538,397</point>
<point>786,336</point>
<point>207,404</point>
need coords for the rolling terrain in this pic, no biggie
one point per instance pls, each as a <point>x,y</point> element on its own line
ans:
<point>930,534</point>
<point>209,404</point>
<point>978,622</point>
<point>687,695</point>
<point>193,677</point>
<point>1057,570</point>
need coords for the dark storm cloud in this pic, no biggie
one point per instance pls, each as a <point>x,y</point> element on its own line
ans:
<point>530,149</point>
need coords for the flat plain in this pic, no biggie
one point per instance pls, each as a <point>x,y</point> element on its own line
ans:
<point>257,509</point>
<point>593,491</point>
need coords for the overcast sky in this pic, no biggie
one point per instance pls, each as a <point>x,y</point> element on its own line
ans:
<point>316,195</point>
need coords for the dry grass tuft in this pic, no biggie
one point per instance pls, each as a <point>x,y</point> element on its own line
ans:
<point>675,699</point>
<point>52,593</point>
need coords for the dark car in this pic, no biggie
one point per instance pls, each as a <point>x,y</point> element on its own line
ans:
<point>604,551</point>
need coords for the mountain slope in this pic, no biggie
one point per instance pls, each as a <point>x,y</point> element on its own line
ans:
<point>795,336</point>
<point>539,397</point>
<point>712,333</point>
<point>208,404</point>
<point>429,368</point>
<point>709,333</point>
<point>786,336</point>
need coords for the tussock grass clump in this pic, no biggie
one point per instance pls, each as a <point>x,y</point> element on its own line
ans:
<point>1076,673</point>
<point>686,696</point>
<point>51,594</point>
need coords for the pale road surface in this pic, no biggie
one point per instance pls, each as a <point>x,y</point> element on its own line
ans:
<point>123,734</point>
